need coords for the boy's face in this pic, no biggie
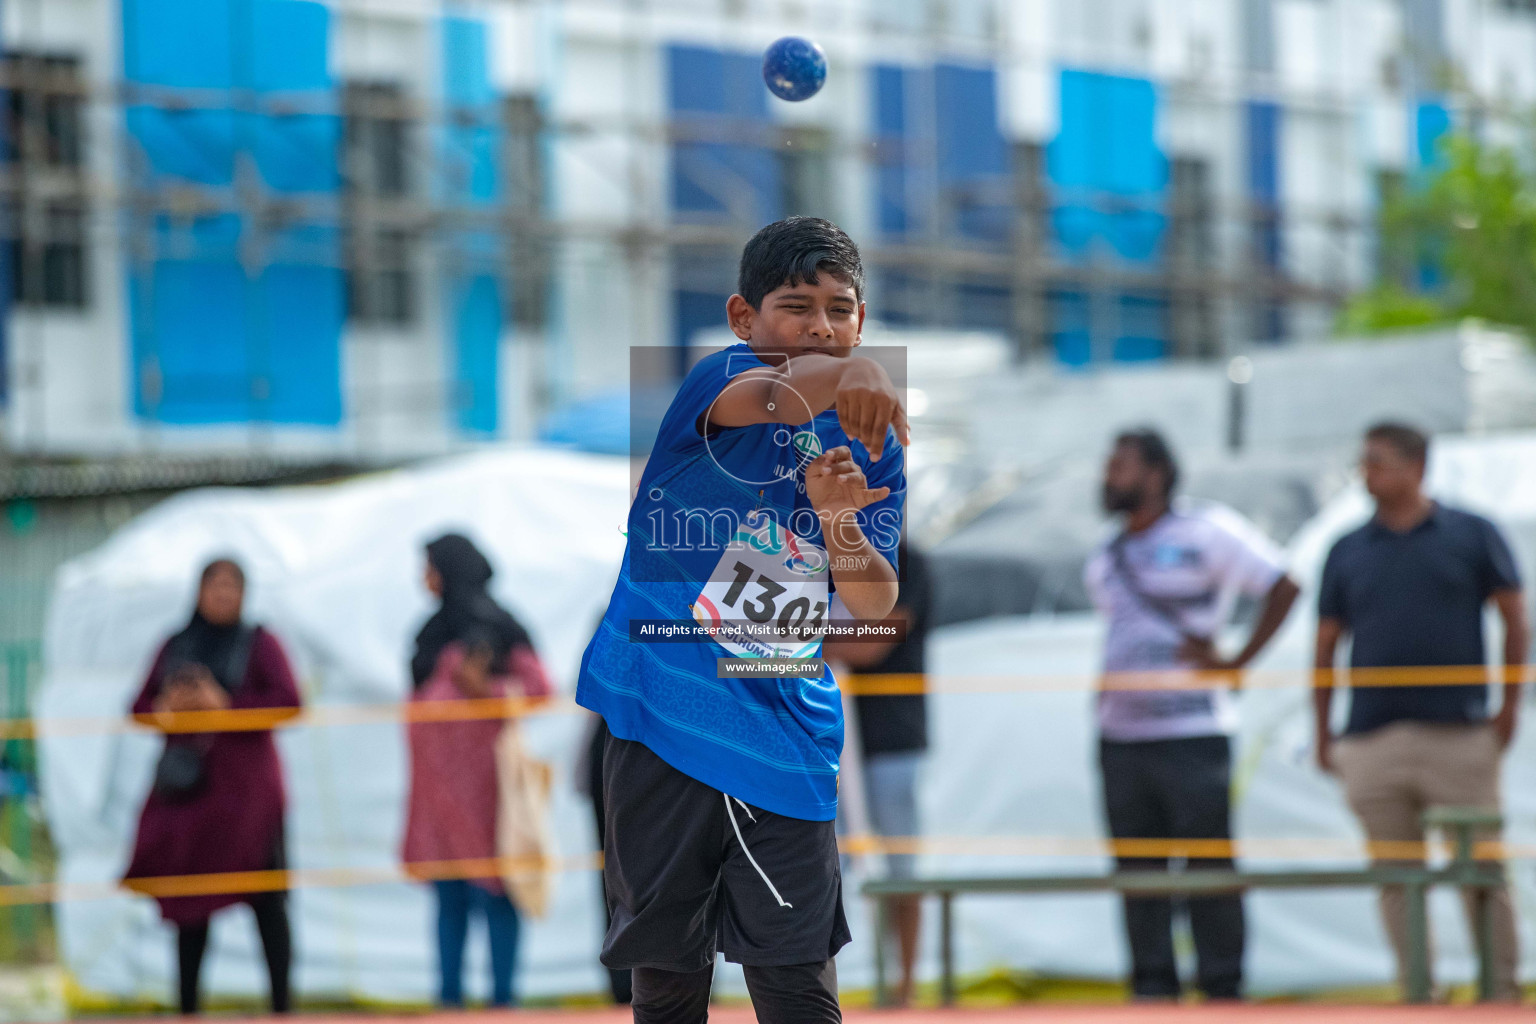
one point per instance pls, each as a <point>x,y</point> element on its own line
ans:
<point>823,317</point>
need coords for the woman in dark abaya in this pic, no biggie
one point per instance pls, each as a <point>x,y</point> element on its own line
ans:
<point>471,648</point>
<point>217,802</point>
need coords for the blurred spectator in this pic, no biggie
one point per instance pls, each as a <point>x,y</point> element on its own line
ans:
<point>470,648</point>
<point>893,736</point>
<point>1168,582</point>
<point>217,803</point>
<point>458,574</point>
<point>1409,587</point>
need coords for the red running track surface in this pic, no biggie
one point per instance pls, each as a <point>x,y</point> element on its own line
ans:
<point>1309,1013</point>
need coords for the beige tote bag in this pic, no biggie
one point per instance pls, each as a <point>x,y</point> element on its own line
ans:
<point>525,843</point>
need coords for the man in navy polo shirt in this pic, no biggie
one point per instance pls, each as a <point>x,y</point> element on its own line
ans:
<point>1409,587</point>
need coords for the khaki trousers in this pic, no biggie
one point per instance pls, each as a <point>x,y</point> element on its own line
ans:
<point>1391,776</point>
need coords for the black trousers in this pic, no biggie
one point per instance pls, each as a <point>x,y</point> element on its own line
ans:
<point>690,872</point>
<point>619,983</point>
<point>792,994</point>
<point>276,943</point>
<point>1175,789</point>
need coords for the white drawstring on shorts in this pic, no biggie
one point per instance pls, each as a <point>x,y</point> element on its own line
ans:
<point>751,859</point>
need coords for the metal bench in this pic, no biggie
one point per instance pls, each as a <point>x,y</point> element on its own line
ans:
<point>1459,824</point>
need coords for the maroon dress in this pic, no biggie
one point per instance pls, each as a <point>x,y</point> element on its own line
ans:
<point>235,822</point>
<point>451,807</point>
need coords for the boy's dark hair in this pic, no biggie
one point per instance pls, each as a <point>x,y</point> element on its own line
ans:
<point>791,251</point>
<point>1155,452</point>
<point>1410,442</point>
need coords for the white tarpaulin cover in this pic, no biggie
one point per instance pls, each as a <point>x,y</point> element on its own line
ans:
<point>334,572</point>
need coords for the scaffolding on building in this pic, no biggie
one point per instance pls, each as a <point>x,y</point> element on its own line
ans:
<point>1220,279</point>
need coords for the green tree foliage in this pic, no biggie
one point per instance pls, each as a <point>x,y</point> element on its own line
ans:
<point>1459,240</point>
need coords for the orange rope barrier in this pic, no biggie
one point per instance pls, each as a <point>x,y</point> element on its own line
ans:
<point>1186,679</point>
<point>225,883</point>
<point>266,719</point>
<point>262,719</point>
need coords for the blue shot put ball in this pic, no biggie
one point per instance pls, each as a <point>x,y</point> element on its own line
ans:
<point>794,68</point>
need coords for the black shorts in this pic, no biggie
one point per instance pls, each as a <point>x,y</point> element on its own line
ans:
<point>681,885</point>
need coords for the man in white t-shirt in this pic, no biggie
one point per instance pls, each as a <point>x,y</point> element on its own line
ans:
<point>1168,581</point>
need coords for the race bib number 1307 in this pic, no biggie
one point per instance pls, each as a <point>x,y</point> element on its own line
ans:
<point>767,596</point>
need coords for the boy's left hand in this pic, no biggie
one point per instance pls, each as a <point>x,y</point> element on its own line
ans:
<point>835,483</point>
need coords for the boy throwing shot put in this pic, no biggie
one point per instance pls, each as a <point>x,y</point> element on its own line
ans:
<point>774,490</point>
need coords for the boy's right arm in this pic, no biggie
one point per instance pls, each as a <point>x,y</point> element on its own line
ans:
<point>866,401</point>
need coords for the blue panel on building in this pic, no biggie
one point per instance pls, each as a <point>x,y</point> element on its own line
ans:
<point>1110,181</point>
<point>1131,163</point>
<point>289,54</point>
<point>890,106</point>
<point>1264,150</point>
<point>1136,327</point>
<point>472,144</point>
<point>1107,167</point>
<point>961,169</point>
<point>187,44</point>
<point>899,297</point>
<point>477,334</point>
<point>290,49</point>
<point>717,92</point>
<point>1070,327</point>
<point>1143,329</point>
<point>970,145</point>
<point>302,317</point>
<point>229,349</point>
<point>888,86</point>
<point>701,80</point>
<point>696,80</point>
<point>203,360</point>
<point>891,199</point>
<point>972,153</point>
<point>1264,124</point>
<point>197,146</point>
<point>191,315</point>
<point>474,135</point>
<point>297,153</point>
<point>474,157</point>
<point>1072,159</point>
<point>466,67</point>
<point>1107,139</point>
<point>1431,122</point>
<point>1264,177</point>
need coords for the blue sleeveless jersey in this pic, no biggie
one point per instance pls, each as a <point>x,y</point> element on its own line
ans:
<point>773,743</point>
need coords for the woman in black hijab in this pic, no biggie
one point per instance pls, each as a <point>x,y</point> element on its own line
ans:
<point>217,803</point>
<point>452,807</point>
<point>458,574</point>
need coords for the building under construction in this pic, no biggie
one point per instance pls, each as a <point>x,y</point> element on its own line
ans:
<point>250,239</point>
